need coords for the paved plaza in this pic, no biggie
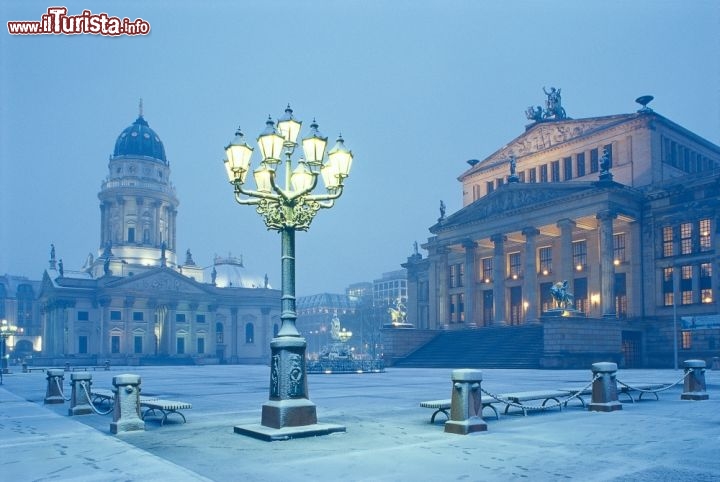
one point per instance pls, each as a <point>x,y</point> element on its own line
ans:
<point>389,436</point>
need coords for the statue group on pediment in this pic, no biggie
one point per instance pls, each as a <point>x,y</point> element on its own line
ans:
<point>553,107</point>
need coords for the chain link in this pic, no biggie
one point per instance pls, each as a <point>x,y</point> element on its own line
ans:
<point>89,399</point>
<point>657,390</point>
<point>60,389</point>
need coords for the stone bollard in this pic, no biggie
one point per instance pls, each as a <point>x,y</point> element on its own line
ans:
<point>715,363</point>
<point>604,388</point>
<point>67,366</point>
<point>24,367</point>
<point>79,401</point>
<point>694,387</point>
<point>466,403</point>
<point>55,380</point>
<point>126,411</point>
<point>107,365</point>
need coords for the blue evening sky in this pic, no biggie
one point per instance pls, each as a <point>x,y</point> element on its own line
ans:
<point>416,88</point>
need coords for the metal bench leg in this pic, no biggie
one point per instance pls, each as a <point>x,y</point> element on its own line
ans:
<point>439,410</point>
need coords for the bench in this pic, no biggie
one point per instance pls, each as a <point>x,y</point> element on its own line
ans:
<point>623,390</point>
<point>518,398</point>
<point>509,399</point>
<point>34,369</point>
<point>166,407</point>
<point>79,369</point>
<point>442,406</point>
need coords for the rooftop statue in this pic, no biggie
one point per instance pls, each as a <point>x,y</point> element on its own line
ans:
<point>553,107</point>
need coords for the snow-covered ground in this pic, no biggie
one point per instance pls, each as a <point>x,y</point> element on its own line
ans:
<point>388,438</point>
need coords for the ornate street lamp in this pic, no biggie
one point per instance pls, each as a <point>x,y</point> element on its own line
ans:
<point>6,331</point>
<point>288,413</point>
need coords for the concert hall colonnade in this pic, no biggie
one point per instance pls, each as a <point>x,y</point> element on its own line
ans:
<point>624,207</point>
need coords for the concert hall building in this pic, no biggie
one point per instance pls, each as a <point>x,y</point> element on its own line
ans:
<point>625,208</point>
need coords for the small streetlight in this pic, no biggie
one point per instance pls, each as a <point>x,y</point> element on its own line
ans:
<point>6,331</point>
<point>288,207</point>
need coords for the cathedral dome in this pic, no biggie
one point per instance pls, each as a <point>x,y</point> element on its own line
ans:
<point>140,140</point>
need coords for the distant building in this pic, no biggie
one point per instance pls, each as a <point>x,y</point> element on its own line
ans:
<point>134,300</point>
<point>625,208</point>
<point>390,287</point>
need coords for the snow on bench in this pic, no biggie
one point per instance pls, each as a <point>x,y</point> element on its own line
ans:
<point>166,407</point>
<point>509,399</point>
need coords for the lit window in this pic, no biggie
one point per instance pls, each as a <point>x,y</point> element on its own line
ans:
<point>667,237</point>
<point>579,254</point>
<point>686,231</point>
<point>619,248</point>
<point>705,242</point>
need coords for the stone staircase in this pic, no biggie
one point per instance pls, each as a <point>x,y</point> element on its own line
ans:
<point>490,347</point>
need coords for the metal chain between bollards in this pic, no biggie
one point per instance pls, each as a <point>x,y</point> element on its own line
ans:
<point>657,390</point>
<point>89,399</point>
<point>541,407</point>
<point>60,388</point>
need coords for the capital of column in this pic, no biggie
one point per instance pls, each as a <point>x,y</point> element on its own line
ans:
<point>468,244</point>
<point>565,223</point>
<point>498,239</point>
<point>606,215</point>
<point>530,231</point>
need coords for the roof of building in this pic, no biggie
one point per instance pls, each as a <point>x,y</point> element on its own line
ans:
<point>231,272</point>
<point>140,140</point>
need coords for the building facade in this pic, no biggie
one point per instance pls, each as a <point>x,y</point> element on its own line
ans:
<point>625,208</point>
<point>135,301</point>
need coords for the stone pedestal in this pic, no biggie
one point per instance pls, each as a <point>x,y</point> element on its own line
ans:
<point>126,411</point>
<point>55,380</point>
<point>694,387</point>
<point>288,413</point>
<point>466,403</point>
<point>79,402</point>
<point>604,388</point>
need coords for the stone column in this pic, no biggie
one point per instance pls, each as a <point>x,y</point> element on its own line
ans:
<point>233,335</point>
<point>55,380</point>
<point>694,387</point>
<point>126,411</point>
<point>171,328</point>
<point>499,275</point>
<point>604,388</point>
<point>433,292</point>
<point>607,268</point>
<point>79,401</point>
<point>566,250</point>
<point>466,403</point>
<point>470,282</point>
<point>265,329</point>
<point>442,280</point>
<point>530,279</point>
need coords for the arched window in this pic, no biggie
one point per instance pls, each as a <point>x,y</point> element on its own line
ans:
<point>249,333</point>
<point>276,328</point>
<point>219,336</point>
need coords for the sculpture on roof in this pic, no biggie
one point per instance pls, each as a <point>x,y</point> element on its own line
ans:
<point>553,107</point>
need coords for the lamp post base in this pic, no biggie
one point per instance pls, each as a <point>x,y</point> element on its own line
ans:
<point>289,413</point>
<point>270,434</point>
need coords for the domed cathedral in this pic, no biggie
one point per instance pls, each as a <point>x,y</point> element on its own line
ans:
<point>138,205</point>
<point>134,302</point>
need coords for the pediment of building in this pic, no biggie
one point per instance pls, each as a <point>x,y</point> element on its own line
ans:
<point>514,198</point>
<point>158,280</point>
<point>545,135</point>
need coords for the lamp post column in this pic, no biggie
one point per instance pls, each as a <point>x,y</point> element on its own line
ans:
<point>288,405</point>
